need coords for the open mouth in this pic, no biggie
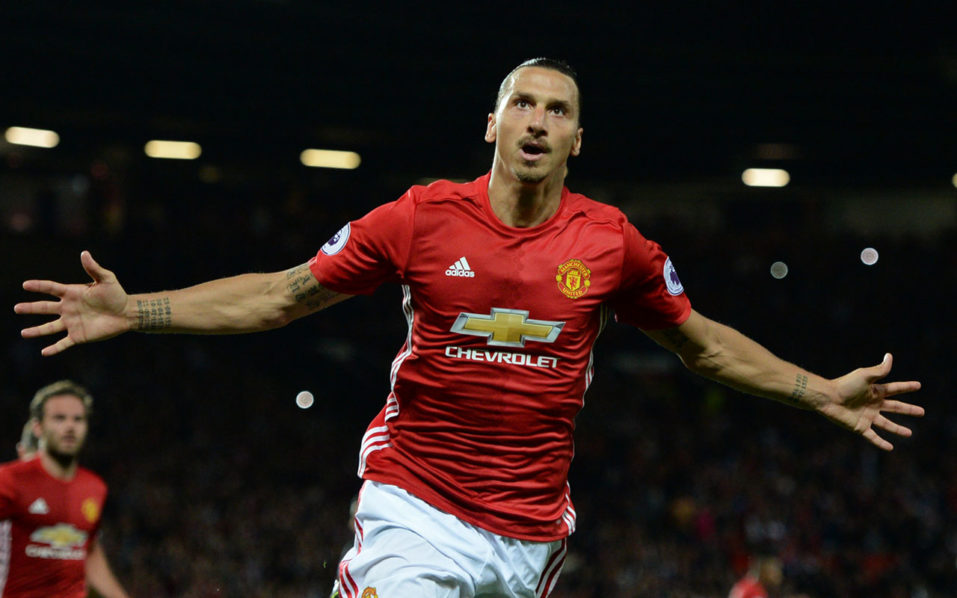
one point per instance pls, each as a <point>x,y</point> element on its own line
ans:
<point>532,151</point>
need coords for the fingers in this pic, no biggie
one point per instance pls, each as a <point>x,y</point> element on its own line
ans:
<point>44,308</point>
<point>97,272</point>
<point>61,345</point>
<point>53,327</point>
<point>48,287</point>
<point>895,388</point>
<point>902,408</point>
<point>877,441</point>
<point>888,426</point>
<point>882,369</point>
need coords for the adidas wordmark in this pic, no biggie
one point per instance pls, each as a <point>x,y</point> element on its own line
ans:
<point>460,268</point>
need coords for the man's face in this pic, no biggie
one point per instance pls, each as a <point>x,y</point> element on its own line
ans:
<point>535,125</point>
<point>62,431</point>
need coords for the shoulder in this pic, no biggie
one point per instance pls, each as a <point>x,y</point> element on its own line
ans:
<point>18,468</point>
<point>17,474</point>
<point>443,191</point>
<point>90,479</point>
<point>595,211</point>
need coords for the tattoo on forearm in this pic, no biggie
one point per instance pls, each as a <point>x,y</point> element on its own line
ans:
<point>154,314</point>
<point>800,388</point>
<point>306,289</point>
<point>676,338</point>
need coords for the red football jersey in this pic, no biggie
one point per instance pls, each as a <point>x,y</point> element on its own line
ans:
<point>498,356</point>
<point>46,526</point>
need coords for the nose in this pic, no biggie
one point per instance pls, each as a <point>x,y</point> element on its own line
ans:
<point>536,123</point>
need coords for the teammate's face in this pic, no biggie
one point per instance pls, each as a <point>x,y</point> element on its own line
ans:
<point>62,430</point>
<point>535,125</point>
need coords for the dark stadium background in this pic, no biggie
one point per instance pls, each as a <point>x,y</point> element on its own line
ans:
<point>221,486</point>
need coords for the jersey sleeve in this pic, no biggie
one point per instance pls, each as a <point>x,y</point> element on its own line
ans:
<point>368,252</point>
<point>650,296</point>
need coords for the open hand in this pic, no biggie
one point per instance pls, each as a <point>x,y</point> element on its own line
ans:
<point>86,312</point>
<point>863,400</point>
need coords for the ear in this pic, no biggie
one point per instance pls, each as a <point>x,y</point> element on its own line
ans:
<point>37,430</point>
<point>577,146</point>
<point>490,131</point>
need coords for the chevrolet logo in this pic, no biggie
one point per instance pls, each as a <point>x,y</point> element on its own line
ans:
<point>507,327</point>
<point>60,535</point>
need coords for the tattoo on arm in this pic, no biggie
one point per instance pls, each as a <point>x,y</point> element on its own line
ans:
<point>800,388</point>
<point>153,314</point>
<point>306,289</point>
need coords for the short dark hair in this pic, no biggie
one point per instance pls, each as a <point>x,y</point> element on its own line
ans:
<point>62,387</point>
<point>546,63</point>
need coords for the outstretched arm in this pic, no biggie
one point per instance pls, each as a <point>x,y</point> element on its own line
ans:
<point>99,575</point>
<point>102,309</point>
<point>855,401</point>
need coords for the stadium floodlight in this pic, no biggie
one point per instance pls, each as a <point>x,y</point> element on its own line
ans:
<point>322,158</point>
<point>765,177</point>
<point>32,137</point>
<point>172,150</point>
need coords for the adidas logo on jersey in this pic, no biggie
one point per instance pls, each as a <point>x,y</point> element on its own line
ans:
<point>460,268</point>
<point>39,507</point>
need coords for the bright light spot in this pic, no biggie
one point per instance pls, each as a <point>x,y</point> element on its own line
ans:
<point>765,177</point>
<point>779,270</point>
<point>869,256</point>
<point>304,399</point>
<point>319,158</point>
<point>954,180</point>
<point>32,137</point>
<point>173,150</point>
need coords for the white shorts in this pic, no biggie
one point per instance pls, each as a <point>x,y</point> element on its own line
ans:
<point>406,548</point>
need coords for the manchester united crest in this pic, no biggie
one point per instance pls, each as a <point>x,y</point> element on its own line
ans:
<point>90,510</point>
<point>573,279</point>
<point>369,593</point>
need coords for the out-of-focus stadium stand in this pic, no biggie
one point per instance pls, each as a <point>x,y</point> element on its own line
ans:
<point>219,481</point>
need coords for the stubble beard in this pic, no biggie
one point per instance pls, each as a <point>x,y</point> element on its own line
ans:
<point>63,458</point>
<point>530,173</point>
<point>530,178</point>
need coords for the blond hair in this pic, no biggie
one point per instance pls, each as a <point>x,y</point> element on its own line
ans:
<point>61,387</point>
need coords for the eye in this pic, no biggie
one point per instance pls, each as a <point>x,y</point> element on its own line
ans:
<point>559,110</point>
<point>521,103</point>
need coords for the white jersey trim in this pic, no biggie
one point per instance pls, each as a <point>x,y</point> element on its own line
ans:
<point>570,516</point>
<point>375,439</point>
<point>6,541</point>
<point>392,403</point>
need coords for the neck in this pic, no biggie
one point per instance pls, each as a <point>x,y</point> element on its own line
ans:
<point>523,205</point>
<point>62,467</point>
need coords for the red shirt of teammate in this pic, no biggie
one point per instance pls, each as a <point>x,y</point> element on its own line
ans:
<point>50,507</point>
<point>46,526</point>
<point>748,587</point>
<point>502,321</point>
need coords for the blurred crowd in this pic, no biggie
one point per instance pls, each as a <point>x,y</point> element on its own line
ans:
<point>220,485</point>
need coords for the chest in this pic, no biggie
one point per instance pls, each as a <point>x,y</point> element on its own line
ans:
<point>61,511</point>
<point>560,273</point>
